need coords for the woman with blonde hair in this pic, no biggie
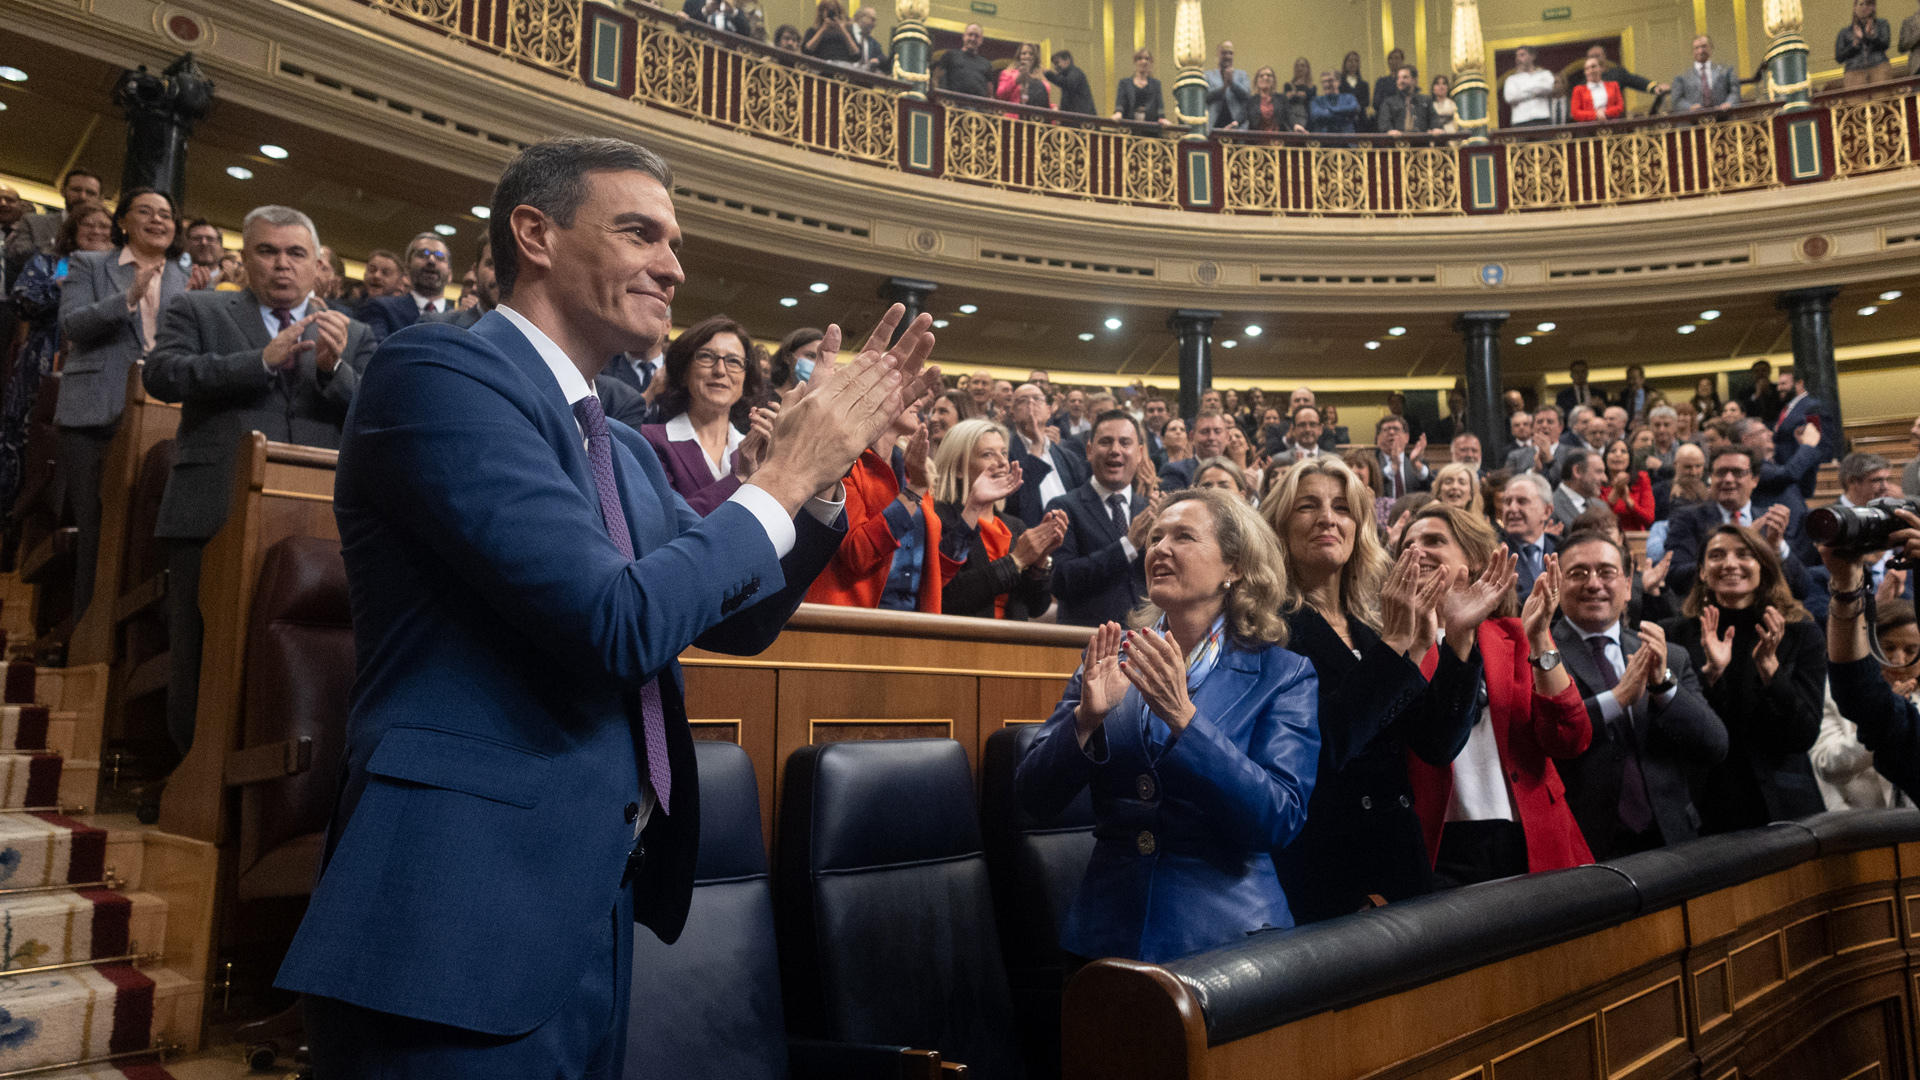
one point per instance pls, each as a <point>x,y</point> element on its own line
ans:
<point>1224,474</point>
<point>1456,484</point>
<point>1368,624</point>
<point>1196,734</point>
<point>1008,565</point>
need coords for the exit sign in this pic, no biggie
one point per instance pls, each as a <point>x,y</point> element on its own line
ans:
<point>1554,13</point>
<point>981,7</point>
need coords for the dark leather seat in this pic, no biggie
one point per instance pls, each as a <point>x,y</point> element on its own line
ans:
<point>1035,868</point>
<point>886,918</point>
<point>293,721</point>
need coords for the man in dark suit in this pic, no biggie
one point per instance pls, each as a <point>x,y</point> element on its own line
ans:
<point>1048,468</point>
<point>1099,573</point>
<point>873,53</point>
<point>1800,412</point>
<point>1792,477</point>
<point>268,358</point>
<point>719,14</point>
<point>1762,400</point>
<point>1076,95</point>
<point>1689,463</point>
<point>1403,468</point>
<point>518,741</point>
<point>1154,417</point>
<point>1406,111</point>
<point>1526,505</point>
<point>1208,433</point>
<point>1580,393</point>
<point>428,271</point>
<point>1651,726</point>
<point>1734,481</point>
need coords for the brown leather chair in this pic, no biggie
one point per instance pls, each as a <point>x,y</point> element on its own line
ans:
<point>293,724</point>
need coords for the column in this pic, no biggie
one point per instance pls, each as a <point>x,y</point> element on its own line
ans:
<point>911,47</point>
<point>161,111</point>
<point>1195,328</point>
<point>1786,55</point>
<point>909,292</point>
<point>1480,330</point>
<point>1469,81</point>
<point>1190,55</point>
<point>1811,313</point>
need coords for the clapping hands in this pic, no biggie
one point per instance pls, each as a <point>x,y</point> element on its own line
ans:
<point>1470,601</point>
<point>1042,540</point>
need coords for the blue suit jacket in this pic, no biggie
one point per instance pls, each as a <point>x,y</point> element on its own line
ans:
<point>1690,526</point>
<point>501,640</point>
<point>1233,787</point>
<point>1785,446</point>
<point>1093,579</point>
<point>388,315</point>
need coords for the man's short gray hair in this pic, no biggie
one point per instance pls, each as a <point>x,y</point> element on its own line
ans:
<point>1580,412</point>
<point>1535,481</point>
<point>551,177</point>
<point>1857,467</point>
<point>1662,412</point>
<point>282,216</point>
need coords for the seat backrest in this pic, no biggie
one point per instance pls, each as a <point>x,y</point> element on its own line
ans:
<point>709,1004</point>
<point>886,918</point>
<point>299,672</point>
<point>146,556</point>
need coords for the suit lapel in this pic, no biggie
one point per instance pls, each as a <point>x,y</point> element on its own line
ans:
<point>556,420</point>
<point>1579,660</point>
<point>244,310</point>
<point>1232,678</point>
<point>1090,499</point>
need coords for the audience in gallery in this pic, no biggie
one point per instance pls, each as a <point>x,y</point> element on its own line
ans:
<point>719,14</point>
<point>712,434</point>
<point>1405,108</point>
<point>869,53</point>
<point>1597,98</point>
<point>1861,48</point>
<point>1446,115</point>
<point>1528,91</point>
<point>1705,84</point>
<point>832,36</point>
<point>964,70</point>
<point>1076,94</point>
<point>1332,111</point>
<point>1910,42</point>
<point>1008,567</point>
<point>1229,93</point>
<point>1021,83</point>
<point>1351,83</point>
<point>787,38</point>
<point>1138,97</point>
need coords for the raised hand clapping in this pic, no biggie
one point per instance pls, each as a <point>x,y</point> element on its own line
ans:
<point>1101,683</point>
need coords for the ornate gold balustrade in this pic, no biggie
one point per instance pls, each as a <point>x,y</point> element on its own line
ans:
<point>657,60</point>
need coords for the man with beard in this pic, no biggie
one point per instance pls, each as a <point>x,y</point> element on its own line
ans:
<point>428,271</point>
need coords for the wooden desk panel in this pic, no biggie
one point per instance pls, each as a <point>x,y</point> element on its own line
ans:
<point>738,705</point>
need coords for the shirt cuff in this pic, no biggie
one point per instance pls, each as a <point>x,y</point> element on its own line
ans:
<point>827,510</point>
<point>1132,552</point>
<point>773,518</point>
<point>1610,709</point>
<point>1666,696</point>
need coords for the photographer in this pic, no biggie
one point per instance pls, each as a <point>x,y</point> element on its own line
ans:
<point>1889,725</point>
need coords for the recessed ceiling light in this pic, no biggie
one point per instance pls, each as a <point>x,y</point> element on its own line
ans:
<point>1113,324</point>
<point>1709,315</point>
<point>239,172</point>
<point>818,286</point>
<point>1890,294</point>
<point>1688,329</point>
<point>445,230</point>
<point>1228,344</point>
<point>277,153</point>
<point>481,212</point>
<point>939,324</point>
<point>968,309</point>
<point>788,301</point>
<point>1086,337</point>
<point>3,106</point>
<point>1546,327</point>
<point>1523,339</point>
<point>1373,344</point>
<point>1397,331</point>
<point>1868,310</point>
<point>1254,331</point>
<point>13,74</point>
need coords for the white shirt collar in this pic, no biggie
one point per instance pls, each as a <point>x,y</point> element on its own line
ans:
<point>1579,500</point>
<point>1733,516</point>
<point>1611,633</point>
<point>298,311</point>
<point>1106,492</point>
<point>420,300</point>
<point>680,429</point>
<point>572,383</point>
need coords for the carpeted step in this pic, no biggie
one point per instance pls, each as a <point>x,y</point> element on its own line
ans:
<point>126,1069</point>
<point>49,849</point>
<point>19,687</point>
<point>85,1013</point>
<point>25,727</point>
<point>31,779</point>
<point>38,929</point>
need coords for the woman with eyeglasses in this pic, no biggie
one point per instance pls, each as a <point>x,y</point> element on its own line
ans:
<point>713,438</point>
<point>1763,667</point>
<point>109,312</point>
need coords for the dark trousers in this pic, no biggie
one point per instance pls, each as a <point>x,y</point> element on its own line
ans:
<point>184,632</point>
<point>585,1039</point>
<point>1476,851</point>
<point>83,457</point>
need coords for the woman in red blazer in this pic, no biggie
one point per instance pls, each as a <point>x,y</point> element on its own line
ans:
<point>1597,99</point>
<point>1499,809</point>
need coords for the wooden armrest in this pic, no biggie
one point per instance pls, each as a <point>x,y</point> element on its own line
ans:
<point>258,764</point>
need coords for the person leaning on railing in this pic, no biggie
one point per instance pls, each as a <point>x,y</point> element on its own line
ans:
<point>1076,96</point>
<point>964,70</point>
<point>1446,116</point>
<point>1021,82</point>
<point>1888,724</point>
<point>1528,91</point>
<point>831,38</point>
<point>1332,111</point>
<point>1009,566</point>
<point>1138,97</point>
<point>1597,98</point>
<point>787,38</point>
<point>1861,47</point>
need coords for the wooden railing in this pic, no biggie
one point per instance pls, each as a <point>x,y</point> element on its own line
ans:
<point>651,57</point>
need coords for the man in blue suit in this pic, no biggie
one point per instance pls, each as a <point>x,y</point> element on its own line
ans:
<point>1099,574</point>
<point>428,271</point>
<point>1734,478</point>
<point>519,785</point>
<point>1800,413</point>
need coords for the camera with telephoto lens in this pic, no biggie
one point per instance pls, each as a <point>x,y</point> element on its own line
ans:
<point>1859,530</point>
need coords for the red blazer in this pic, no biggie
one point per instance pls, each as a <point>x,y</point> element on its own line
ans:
<point>1582,106</point>
<point>1531,730</point>
<point>1636,510</point>
<point>857,576</point>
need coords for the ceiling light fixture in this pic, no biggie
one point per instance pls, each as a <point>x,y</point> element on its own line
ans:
<point>1228,344</point>
<point>1546,327</point>
<point>939,324</point>
<point>445,230</point>
<point>1254,331</point>
<point>1709,315</point>
<point>13,74</point>
<point>1890,294</point>
<point>1868,310</point>
<point>1373,344</point>
<point>1397,331</point>
<point>1523,339</point>
<point>277,153</point>
<point>818,286</point>
<point>1113,324</point>
<point>788,301</point>
<point>481,212</point>
<point>1688,329</point>
<point>239,172</point>
<point>1086,337</point>
<point>968,309</point>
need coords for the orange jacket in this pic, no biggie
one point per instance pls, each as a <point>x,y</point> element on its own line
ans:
<point>857,576</point>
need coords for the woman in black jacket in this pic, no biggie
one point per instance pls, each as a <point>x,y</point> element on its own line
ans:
<point>1763,667</point>
<point>1366,628</point>
<point>1009,566</point>
<point>1138,97</point>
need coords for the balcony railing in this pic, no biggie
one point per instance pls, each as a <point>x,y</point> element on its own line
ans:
<point>655,59</point>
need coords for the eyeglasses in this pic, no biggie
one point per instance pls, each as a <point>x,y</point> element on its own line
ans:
<point>1732,474</point>
<point>707,358</point>
<point>1580,575</point>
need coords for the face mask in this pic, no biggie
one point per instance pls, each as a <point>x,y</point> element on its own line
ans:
<point>802,369</point>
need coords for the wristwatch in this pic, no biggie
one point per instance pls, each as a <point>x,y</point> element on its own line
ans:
<point>1546,661</point>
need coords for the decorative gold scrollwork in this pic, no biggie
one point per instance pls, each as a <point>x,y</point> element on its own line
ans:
<point>973,145</point>
<point>1149,170</point>
<point>1253,178</point>
<point>1339,181</point>
<point>546,32</point>
<point>1537,174</point>
<point>1061,161</point>
<point>770,100</point>
<point>868,125</point>
<point>1636,166</point>
<point>444,13</point>
<point>668,70</point>
<point>1432,179</point>
<point>1869,136</point>
<point>1740,155</point>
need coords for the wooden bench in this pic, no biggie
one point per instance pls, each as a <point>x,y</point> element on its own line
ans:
<point>145,422</point>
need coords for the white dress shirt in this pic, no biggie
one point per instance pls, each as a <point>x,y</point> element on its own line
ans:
<point>421,302</point>
<point>1745,516</point>
<point>680,429</point>
<point>1529,94</point>
<point>1105,493</point>
<point>1579,501</point>
<point>1610,707</point>
<point>273,325</point>
<point>1598,92</point>
<point>1052,486</point>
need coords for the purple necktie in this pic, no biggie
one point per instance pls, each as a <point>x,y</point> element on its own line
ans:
<point>285,318</point>
<point>1635,811</point>
<point>653,722</point>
